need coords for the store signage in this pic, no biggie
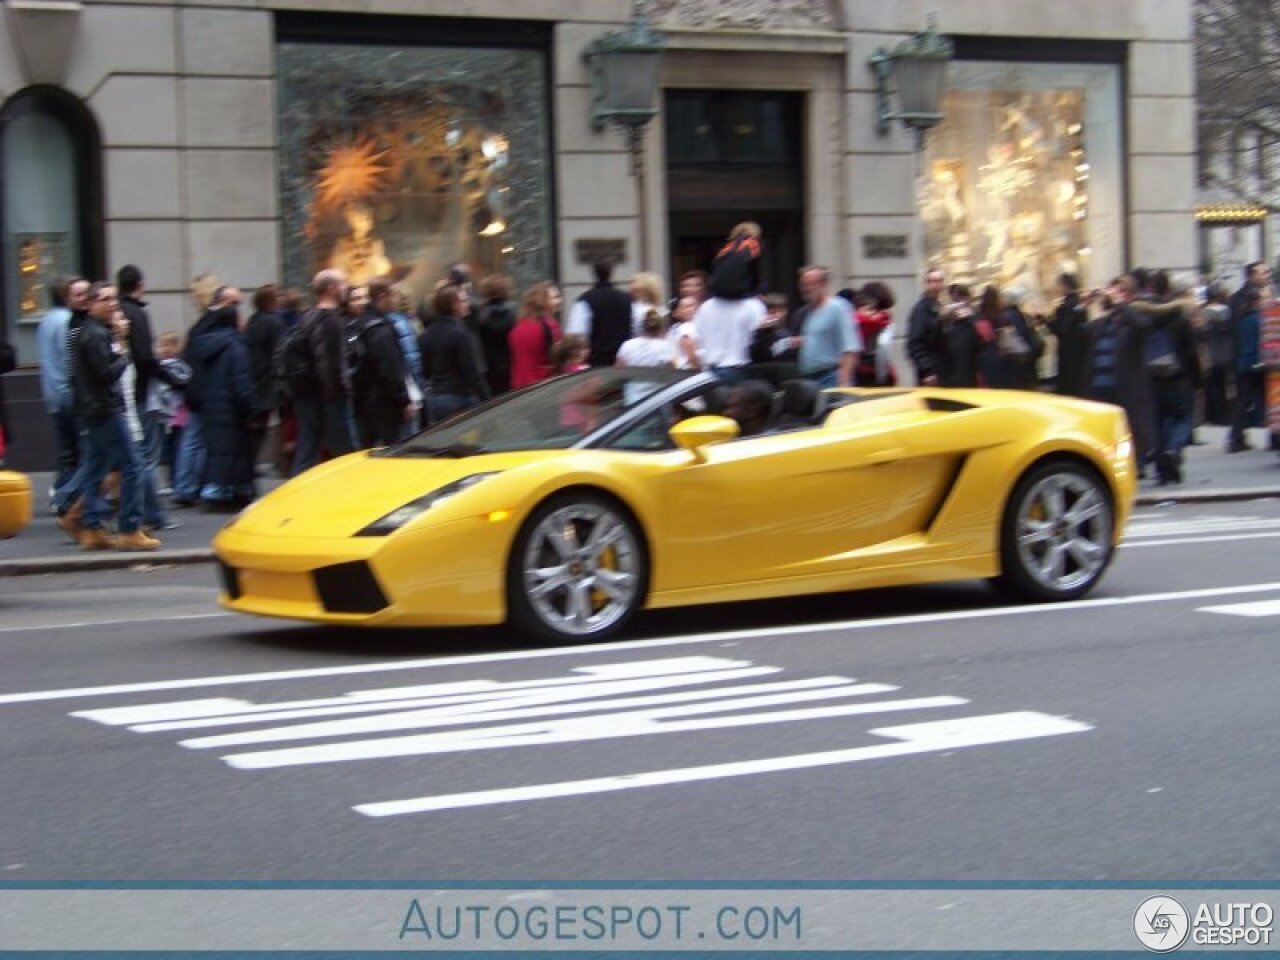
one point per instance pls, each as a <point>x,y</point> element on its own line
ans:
<point>595,249</point>
<point>884,246</point>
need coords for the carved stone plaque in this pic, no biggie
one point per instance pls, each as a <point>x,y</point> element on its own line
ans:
<point>591,250</point>
<point>884,246</point>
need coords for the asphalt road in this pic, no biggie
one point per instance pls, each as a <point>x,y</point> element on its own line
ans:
<point>918,734</point>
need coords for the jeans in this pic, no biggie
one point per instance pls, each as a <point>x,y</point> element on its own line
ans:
<point>442,406</point>
<point>188,472</point>
<point>108,446</point>
<point>153,434</point>
<point>1174,402</point>
<point>66,434</point>
<point>1249,402</point>
<point>153,514</point>
<point>322,425</point>
<point>827,381</point>
<point>730,376</point>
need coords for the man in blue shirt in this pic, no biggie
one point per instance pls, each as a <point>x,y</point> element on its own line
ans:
<point>55,376</point>
<point>829,340</point>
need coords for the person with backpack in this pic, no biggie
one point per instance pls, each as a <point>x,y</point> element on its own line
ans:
<point>316,369</point>
<point>535,334</point>
<point>727,322</point>
<point>378,383</point>
<point>1173,367</point>
<point>448,357</point>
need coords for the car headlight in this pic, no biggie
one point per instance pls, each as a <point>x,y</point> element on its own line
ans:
<point>398,517</point>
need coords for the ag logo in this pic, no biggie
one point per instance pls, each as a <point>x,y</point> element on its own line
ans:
<point>1161,924</point>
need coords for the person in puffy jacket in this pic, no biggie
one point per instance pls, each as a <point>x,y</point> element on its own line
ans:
<point>220,366</point>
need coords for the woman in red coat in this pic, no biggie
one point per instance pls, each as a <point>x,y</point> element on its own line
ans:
<point>874,301</point>
<point>534,334</point>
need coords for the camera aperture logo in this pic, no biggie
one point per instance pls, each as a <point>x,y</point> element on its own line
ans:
<point>1161,924</point>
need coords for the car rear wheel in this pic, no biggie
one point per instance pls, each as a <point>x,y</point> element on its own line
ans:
<point>1057,535</point>
<point>578,569</point>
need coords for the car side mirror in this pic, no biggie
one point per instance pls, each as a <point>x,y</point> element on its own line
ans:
<point>697,432</point>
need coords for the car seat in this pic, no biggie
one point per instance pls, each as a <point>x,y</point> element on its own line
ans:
<point>804,404</point>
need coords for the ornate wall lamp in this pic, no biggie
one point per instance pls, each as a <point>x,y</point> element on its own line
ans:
<point>625,66</point>
<point>918,68</point>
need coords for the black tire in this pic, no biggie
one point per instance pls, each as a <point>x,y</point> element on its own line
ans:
<point>578,569</point>
<point>1057,534</point>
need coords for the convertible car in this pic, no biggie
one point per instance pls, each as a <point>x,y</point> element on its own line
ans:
<point>566,507</point>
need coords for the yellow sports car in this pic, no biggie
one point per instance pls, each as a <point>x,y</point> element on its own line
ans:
<point>566,507</point>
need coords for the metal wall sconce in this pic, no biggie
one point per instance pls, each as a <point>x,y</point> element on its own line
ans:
<point>918,68</point>
<point>625,67</point>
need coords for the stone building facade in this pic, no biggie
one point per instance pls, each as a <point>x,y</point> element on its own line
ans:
<point>258,139</point>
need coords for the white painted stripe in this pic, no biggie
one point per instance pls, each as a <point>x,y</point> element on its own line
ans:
<point>1262,608</point>
<point>875,623</point>
<point>193,714</point>
<point>1196,527</point>
<point>471,710</point>
<point>86,624</point>
<point>915,738</point>
<point>610,727</point>
<point>422,719</point>
<point>1184,540</point>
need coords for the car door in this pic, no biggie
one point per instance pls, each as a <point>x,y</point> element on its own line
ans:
<point>787,505</point>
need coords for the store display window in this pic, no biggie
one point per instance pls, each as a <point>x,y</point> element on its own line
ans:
<point>1022,181</point>
<point>400,161</point>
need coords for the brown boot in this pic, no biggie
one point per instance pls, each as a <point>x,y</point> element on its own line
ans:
<point>136,541</point>
<point>95,538</point>
<point>69,522</point>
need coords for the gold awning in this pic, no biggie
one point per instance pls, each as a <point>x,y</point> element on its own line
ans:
<point>1231,213</point>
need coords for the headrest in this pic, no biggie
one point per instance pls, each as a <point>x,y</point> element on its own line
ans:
<point>801,398</point>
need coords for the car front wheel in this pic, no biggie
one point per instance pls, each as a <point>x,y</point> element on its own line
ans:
<point>1057,535</point>
<point>578,569</point>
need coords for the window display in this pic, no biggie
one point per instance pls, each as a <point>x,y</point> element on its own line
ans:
<point>1021,180</point>
<point>399,162</point>
<point>40,215</point>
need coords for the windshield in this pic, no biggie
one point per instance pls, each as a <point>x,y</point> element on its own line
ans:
<point>553,415</point>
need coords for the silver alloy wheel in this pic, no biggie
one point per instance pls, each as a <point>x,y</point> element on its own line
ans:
<point>581,569</point>
<point>1064,531</point>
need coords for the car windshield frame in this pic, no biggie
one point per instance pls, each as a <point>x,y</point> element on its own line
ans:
<point>574,411</point>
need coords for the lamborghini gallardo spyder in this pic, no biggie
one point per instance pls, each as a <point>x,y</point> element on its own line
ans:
<point>566,507</point>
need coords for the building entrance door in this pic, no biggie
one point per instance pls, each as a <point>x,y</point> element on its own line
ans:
<point>733,156</point>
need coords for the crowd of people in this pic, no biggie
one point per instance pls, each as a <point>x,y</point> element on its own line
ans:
<point>348,366</point>
<point>1172,354</point>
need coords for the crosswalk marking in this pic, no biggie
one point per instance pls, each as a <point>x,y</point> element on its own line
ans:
<point>1259,608</point>
<point>913,739</point>
<point>602,703</point>
<point>1155,525</point>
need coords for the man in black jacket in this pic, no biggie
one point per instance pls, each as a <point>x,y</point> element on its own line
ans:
<point>382,404</point>
<point>98,359</point>
<point>129,284</point>
<point>323,405</point>
<point>924,336</point>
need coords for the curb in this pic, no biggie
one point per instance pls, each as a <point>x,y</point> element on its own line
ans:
<point>1151,498</point>
<point>103,561</point>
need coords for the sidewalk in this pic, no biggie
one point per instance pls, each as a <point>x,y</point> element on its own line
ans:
<point>1212,475</point>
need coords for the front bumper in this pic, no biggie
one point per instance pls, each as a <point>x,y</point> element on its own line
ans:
<point>446,575</point>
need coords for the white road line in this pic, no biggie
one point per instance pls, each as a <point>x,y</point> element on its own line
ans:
<point>87,624</point>
<point>875,623</point>
<point>194,714</point>
<point>1263,608</point>
<point>1128,545</point>
<point>915,738</point>
<point>607,727</point>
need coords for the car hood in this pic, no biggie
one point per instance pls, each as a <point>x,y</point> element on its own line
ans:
<point>342,497</point>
